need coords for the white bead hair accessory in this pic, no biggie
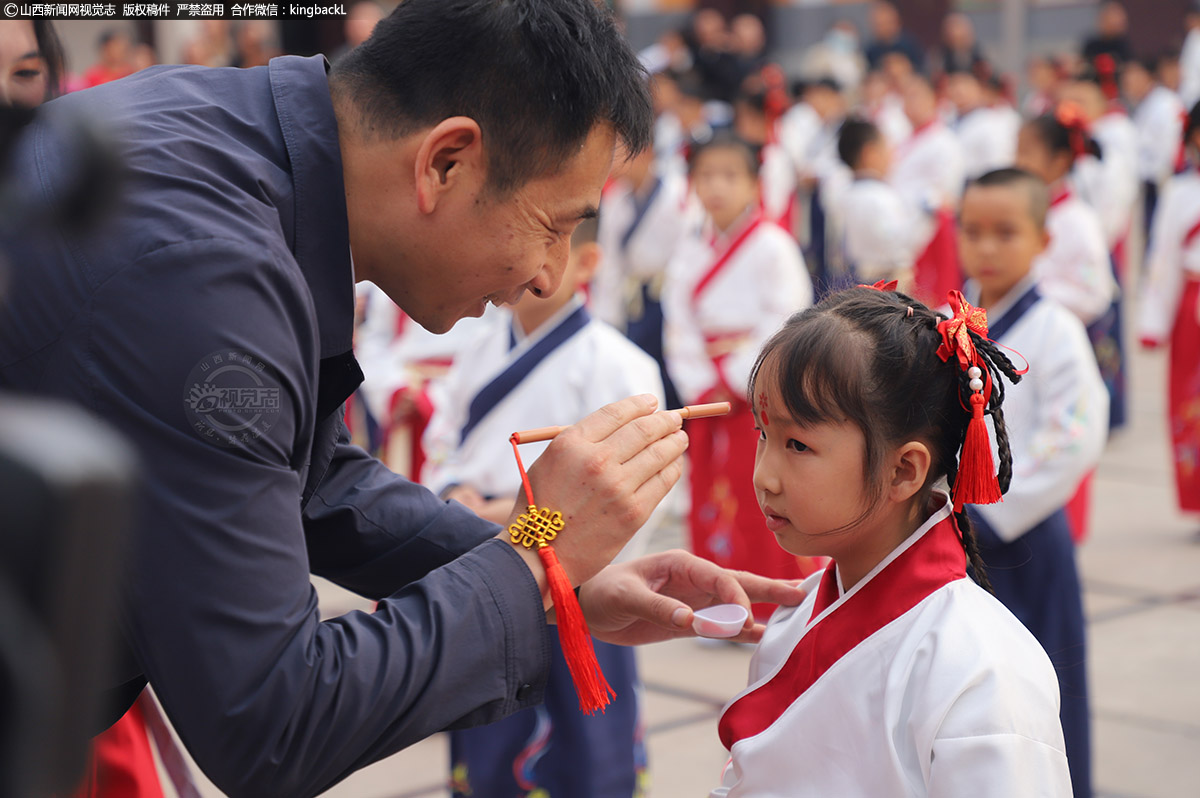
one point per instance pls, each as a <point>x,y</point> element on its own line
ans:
<point>976,385</point>
<point>974,372</point>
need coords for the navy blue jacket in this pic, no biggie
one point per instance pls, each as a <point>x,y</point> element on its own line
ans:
<point>210,321</point>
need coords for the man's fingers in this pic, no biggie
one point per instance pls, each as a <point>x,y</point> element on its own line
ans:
<point>655,457</point>
<point>632,439</point>
<point>655,489</point>
<point>608,419</point>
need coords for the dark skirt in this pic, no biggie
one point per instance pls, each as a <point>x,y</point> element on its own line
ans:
<point>555,750</point>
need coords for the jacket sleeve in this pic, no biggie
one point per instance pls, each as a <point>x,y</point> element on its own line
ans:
<point>220,613</point>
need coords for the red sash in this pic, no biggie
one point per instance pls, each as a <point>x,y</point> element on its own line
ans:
<point>1061,195</point>
<point>723,259</point>
<point>1191,234</point>
<point>930,563</point>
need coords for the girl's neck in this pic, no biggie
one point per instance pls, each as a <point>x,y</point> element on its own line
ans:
<point>888,533</point>
<point>731,222</point>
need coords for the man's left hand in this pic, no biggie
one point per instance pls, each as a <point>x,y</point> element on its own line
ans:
<point>652,598</point>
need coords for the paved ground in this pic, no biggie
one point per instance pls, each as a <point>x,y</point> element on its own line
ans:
<point>1141,571</point>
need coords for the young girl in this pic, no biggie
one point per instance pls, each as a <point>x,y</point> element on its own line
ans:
<point>1171,313</point>
<point>1075,269</point>
<point>898,675</point>
<point>731,284</point>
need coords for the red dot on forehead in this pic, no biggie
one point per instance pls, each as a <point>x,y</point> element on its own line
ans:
<point>762,404</point>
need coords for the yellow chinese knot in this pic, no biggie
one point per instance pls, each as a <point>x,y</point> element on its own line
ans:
<point>536,527</point>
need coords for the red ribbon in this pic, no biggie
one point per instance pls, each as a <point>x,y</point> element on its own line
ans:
<point>882,285</point>
<point>956,340</point>
<point>1071,116</point>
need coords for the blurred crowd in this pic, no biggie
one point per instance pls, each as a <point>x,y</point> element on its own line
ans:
<point>766,190</point>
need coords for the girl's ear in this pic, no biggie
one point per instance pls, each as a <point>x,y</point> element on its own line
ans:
<point>910,467</point>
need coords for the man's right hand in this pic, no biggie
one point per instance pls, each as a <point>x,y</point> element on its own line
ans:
<point>605,475</point>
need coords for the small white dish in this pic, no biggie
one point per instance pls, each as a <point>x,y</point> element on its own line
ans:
<point>720,621</point>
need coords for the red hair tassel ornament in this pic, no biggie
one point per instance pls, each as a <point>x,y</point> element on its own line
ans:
<point>976,481</point>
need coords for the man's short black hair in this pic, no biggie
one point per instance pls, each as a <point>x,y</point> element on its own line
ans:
<point>537,76</point>
<point>855,135</point>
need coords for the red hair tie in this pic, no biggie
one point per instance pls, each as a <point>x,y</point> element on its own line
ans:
<point>1071,116</point>
<point>882,285</point>
<point>976,481</point>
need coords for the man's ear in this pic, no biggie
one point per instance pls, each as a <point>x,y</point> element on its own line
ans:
<point>910,468</point>
<point>449,157</point>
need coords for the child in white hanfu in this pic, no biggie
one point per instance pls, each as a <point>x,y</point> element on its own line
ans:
<point>898,674</point>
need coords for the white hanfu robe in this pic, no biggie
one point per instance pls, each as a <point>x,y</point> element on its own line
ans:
<point>1075,269</point>
<point>1173,258</point>
<point>1057,416</point>
<point>637,236</point>
<point>760,285</point>
<point>596,365</point>
<point>928,173</point>
<point>915,682</point>
<point>1110,184</point>
<point>989,139</point>
<point>881,232</point>
<point>1159,123</point>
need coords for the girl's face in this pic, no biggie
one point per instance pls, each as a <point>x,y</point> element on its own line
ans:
<point>23,78</point>
<point>724,183</point>
<point>1036,158</point>
<point>809,480</point>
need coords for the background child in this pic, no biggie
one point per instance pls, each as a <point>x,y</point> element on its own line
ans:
<point>881,232</point>
<point>729,287</point>
<point>1171,312</point>
<point>1057,422</point>
<point>898,675</point>
<point>1075,269</point>
<point>642,216</point>
<point>928,173</point>
<point>546,362</point>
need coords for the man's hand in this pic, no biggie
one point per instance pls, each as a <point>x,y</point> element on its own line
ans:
<point>651,599</point>
<point>605,475</point>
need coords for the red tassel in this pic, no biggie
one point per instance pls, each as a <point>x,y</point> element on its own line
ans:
<point>591,686</point>
<point>976,482</point>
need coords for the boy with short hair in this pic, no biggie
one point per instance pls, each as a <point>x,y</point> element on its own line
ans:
<point>1057,419</point>
<point>881,232</point>
<point>545,362</point>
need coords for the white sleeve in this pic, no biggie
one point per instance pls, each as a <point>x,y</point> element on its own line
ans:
<point>373,347</point>
<point>1162,141</point>
<point>605,295</point>
<point>1164,271</point>
<point>450,397</point>
<point>1070,430</point>
<point>885,235</point>
<point>1080,276</point>
<point>786,289</point>
<point>686,354</point>
<point>952,172</point>
<point>998,766</point>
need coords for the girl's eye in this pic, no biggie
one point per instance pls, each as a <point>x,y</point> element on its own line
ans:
<point>796,446</point>
<point>762,436</point>
<point>28,74</point>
